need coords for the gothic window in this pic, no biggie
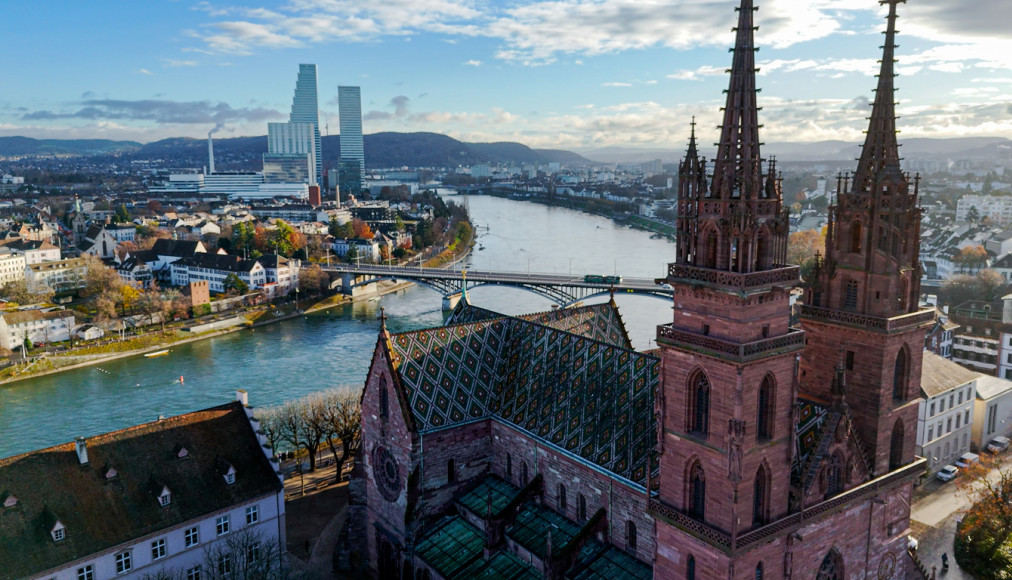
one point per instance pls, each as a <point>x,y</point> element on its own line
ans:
<point>697,491</point>
<point>900,375</point>
<point>764,420</point>
<point>581,508</point>
<point>734,255</point>
<point>509,467</point>
<point>562,498</point>
<point>523,472</point>
<point>834,475</point>
<point>711,250</point>
<point>451,472</point>
<point>630,536</point>
<point>896,446</point>
<point>759,496</point>
<point>384,398</point>
<point>759,571</point>
<point>699,406</point>
<point>855,237</point>
<point>761,260</point>
<point>690,568</point>
<point>832,567</point>
<point>882,238</point>
<point>850,298</point>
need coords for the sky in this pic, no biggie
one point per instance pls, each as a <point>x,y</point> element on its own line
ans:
<point>567,74</point>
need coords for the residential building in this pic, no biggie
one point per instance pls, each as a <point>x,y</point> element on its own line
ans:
<point>546,445</point>
<point>38,326</point>
<point>281,272</point>
<point>161,499</point>
<point>984,340</point>
<point>945,415</point>
<point>89,332</point>
<point>997,208</point>
<point>12,267</point>
<point>160,257</point>
<point>305,109</point>
<point>215,269</point>
<point>135,271</point>
<point>351,167</point>
<point>122,232</point>
<point>366,250</point>
<point>63,276</point>
<point>992,411</point>
<point>35,252</point>
<point>99,241</point>
<point>939,339</point>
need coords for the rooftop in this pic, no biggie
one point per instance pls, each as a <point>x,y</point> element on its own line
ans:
<point>939,375</point>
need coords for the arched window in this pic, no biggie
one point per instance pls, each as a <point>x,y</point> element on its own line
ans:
<point>834,475</point>
<point>764,418</point>
<point>581,508</point>
<point>711,250</point>
<point>690,568</point>
<point>523,472</point>
<point>850,298</point>
<point>509,467</point>
<point>760,493</point>
<point>451,472</point>
<point>759,571</point>
<point>697,491</point>
<point>896,446</point>
<point>384,398</point>
<point>855,237</point>
<point>900,376</point>
<point>630,535</point>
<point>562,498</point>
<point>832,567</point>
<point>699,405</point>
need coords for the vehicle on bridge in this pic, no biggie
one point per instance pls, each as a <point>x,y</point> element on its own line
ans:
<point>598,279</point>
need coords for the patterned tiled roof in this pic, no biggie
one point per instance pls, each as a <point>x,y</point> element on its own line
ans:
<point>811,417</point>
<point>597,321</point>
<point>589,397</point>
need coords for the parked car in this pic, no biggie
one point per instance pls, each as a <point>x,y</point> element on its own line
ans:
<point>967,459</point>
<point>947,473</point>
<point>998,444</point>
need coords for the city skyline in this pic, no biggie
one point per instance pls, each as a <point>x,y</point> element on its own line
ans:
<point>607,73</point>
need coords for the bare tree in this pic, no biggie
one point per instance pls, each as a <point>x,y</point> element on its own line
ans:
<point>243,555</point>
<point>271,425</point>
<point>343,422</point>
<point>312,425</point>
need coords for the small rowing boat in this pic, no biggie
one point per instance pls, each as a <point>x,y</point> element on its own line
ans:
<point>157,353</point>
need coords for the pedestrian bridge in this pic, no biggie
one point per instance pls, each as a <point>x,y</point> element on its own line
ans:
<point>564,290</point>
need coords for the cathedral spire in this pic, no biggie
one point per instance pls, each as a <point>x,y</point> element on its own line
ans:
<point>737,170</point>
<point>880,158</point>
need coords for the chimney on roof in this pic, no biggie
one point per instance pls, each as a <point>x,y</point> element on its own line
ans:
<point>82,450</point>
<point>210,151</point>
<point>242,396</point>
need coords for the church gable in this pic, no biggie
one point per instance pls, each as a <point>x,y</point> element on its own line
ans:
<point>601,322</point>
<point>829,458</point>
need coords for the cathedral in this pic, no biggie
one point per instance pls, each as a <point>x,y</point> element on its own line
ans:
<point>742,447</point>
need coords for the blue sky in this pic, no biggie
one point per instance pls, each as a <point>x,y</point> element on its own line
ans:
<point>573,74</point>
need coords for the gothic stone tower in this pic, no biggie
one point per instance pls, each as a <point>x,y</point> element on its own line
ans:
<point>729,356</point>
<point>862,309</point>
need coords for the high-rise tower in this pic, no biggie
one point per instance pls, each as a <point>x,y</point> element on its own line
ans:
<point>862,308</point>
<point>305,109</point>
<point>351,168</point>
<point>729,355</point>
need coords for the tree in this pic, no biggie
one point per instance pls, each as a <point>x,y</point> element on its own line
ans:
<point>99,278</point>
<point>982,539</point>
<point>312,426</point>
<point>272,425</point>
<point>149,303</point>
<point>801,249</point>
<point>313,280</point>
<point>343,423</point>
<point>235,285</point>
<point>23,294</point>
<point>122,216</point>
<point>361,229</point>
<point>128,297</point>
<point>986,286</point>
<point>972,215</point>
<point>970,258</point>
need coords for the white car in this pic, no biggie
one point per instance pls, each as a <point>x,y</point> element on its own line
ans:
<point>967,459</point>
<point>998,444</point>
<point>947,473</point>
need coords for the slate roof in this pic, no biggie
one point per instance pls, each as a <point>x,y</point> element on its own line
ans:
<point>100,514</point>
<point>591,398</point>
<point>221,262</point>
<point>939,375</point>
<point>22,316</point>
<point>178,248</point>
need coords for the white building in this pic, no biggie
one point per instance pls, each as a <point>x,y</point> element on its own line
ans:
<point>35,252</point>
<point>35,325</point>
<point>12,268</point>
<point>997,208</point>
<point>172,494</point>
<point>367,250</point>
<point>992,410</point>
<point>945,414</point>
<point>216,268</point>
<point>281,271</point>
<point>62,276</point>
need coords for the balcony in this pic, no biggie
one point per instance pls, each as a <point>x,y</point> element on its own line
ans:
<point>783,276</point>
<point>730,350</point>
<point>865,321</point>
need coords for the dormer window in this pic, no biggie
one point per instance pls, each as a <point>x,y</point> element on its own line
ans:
<point>110,473</point>
<point>183,453</point>
<point>58,532</point>
<point>165,498</point>
<point>230,477</point>
<point>8,499</point>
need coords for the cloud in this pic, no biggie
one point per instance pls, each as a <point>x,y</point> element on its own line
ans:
<point>399,104</point>
<point>616,84</point>
<point>473,62</point>
<point>144,71</point>
<point>177,63</point>
<point>159,112</point>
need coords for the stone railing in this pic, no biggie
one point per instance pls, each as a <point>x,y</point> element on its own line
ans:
<point>893,324</point>
<point>786,524</point>
<point>738,351</point>
<point>782,276</point>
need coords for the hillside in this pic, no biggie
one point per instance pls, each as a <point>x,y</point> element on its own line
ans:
<point>16,146</point>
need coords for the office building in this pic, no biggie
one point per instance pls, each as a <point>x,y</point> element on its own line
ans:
<point>293,139</point>
<point>351,167</point>
<point>306,110</point>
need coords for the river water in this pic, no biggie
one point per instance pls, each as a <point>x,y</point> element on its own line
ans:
<point>286,360</point>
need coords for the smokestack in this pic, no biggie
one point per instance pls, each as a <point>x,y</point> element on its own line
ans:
<point>210,150</point>
<point>82,450</point>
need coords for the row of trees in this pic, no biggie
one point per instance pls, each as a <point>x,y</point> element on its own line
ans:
<point>111,297</point>
<point>254,241</point>
<point>332,418</point>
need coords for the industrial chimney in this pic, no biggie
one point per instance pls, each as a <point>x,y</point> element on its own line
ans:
<point>210,151</point>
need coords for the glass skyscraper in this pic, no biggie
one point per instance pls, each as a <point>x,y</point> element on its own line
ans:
<point>351,166</point>
<point>305,109</point>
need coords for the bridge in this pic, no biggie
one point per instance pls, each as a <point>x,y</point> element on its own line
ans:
<point>564,290</point>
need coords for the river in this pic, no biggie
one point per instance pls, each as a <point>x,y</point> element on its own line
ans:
<point>289,359</point>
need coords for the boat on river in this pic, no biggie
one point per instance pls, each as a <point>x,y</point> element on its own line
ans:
<point>156,353</point>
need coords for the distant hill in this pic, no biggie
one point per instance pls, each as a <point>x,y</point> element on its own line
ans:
<point>238,153</point>
<point>14,146</point>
